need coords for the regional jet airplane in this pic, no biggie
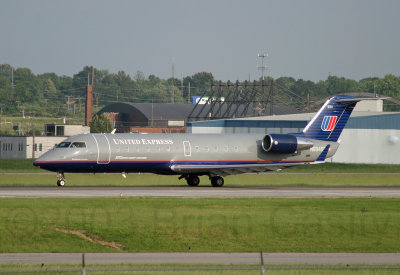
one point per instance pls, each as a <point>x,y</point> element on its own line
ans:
<point>193,155</point>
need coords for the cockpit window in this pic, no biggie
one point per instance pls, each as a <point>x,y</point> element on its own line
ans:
<point>78,145</point>
<point>64,145</point>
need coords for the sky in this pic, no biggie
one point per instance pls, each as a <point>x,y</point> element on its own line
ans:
<point>308,39</point>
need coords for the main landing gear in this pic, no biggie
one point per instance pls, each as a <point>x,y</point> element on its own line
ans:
<point>60,179</point>
<point>217,181</point>
<point>193,180</point>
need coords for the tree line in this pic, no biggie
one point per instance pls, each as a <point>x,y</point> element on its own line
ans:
<point>49,94</point>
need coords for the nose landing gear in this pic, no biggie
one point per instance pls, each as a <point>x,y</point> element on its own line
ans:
<point>60,179</point>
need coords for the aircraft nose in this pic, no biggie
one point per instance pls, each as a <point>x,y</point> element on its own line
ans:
<point>40,160</point>
<point>37,162</point>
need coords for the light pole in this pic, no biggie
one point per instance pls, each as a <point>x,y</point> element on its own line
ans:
<point>262,68</point>
<point>1,114</point>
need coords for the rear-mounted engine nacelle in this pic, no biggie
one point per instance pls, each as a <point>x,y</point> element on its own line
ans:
<point>284,143</point>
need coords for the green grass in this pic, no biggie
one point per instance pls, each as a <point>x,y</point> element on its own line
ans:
<point>38,123</point>
<point>18,165</point>
<point>26,165</point>
<point>268,179</point>
<point>328,174</point>
<point>214,225</point>
<point>345,168</point>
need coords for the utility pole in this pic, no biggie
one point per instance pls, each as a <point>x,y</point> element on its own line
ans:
<point>189,93</point>
<point>33,137</point>
<point>68,96</point>
<point>1,113</point>
<point>182,87</point>
<point>173,67</point>
<point>92,75</point>
<point>12,77</point>
<point>263,68</point>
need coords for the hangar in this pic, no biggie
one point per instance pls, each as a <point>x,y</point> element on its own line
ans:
<point>169,117</point>
<point>149,117</point>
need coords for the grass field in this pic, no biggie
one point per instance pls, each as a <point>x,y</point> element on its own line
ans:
<point>328,174</point>
<point>214,225</point>
<point>288,179</point>
<point>26,165</point>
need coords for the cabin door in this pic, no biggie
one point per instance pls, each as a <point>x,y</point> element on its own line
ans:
<point>103,148</point>
<point>186,149</point>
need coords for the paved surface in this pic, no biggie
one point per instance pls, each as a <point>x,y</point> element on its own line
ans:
<point>201,258</point>
<point>201,192</point>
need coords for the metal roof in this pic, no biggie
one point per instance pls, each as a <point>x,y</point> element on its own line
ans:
<point>155,111</point>
<point>358,120</point>
<point>170,111</point>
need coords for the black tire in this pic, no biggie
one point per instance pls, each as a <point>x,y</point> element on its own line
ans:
<point>217,181</point>
<point>193,180</point>
<point>61,183</point>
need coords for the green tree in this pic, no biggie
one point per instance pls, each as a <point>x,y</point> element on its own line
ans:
<point>201,82</point>
<point>100,124</point>
<point>286,82</point>
<point>389,86</point>
<point>341,85</point>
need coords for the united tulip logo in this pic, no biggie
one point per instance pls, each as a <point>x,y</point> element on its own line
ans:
<point>328,123</point>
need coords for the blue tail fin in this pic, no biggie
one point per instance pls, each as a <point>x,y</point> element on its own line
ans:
<point>330,120</point>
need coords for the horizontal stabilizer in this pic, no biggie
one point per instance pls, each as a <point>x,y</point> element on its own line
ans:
<point>347,101</point>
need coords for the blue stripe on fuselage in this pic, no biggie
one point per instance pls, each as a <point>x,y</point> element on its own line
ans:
<point>137,166</point>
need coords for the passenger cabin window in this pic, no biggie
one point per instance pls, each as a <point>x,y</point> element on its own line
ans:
<point>64,145</point>
<point>78,145</point>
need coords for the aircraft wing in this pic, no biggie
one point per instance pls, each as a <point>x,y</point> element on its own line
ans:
<point>233,169</point>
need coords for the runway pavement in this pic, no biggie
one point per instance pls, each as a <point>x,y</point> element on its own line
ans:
<point>199,192</point>
<point>201,258</point>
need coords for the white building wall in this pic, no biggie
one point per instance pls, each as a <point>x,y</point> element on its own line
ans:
<point>22,147</point>
<point>368,146</point>
<point>242,130</point>
<point>13,147</point>
<point>71,130</point>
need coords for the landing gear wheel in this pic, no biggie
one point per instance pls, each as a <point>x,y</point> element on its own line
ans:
<point>61,183</point>
<point>61,179</point>
<point>217,181</point>
<point>193,180</point>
